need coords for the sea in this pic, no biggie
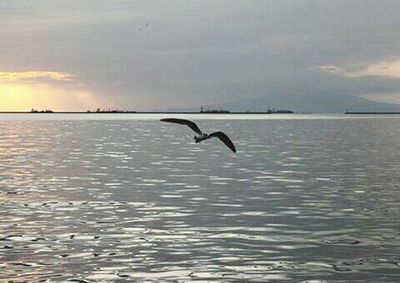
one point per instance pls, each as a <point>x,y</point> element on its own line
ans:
<point>126,198</point>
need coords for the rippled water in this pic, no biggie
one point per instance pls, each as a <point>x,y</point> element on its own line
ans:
<point>110,200</point>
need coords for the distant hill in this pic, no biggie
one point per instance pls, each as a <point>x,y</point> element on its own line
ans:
<point>321,103</point>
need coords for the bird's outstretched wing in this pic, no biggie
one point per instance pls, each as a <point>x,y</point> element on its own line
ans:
<point>191,124</point>
<point>225,139</point>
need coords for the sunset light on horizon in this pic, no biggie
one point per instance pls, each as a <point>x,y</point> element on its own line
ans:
<point>24,97</point>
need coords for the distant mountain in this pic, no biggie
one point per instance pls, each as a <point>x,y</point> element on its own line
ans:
<point>321,103</point>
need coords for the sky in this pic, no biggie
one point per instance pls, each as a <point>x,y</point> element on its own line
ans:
<point>75,55</point>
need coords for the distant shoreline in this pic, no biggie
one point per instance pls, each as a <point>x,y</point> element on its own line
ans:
<point>197,113</point>
<point>138,112</point>
<point>371,113</point>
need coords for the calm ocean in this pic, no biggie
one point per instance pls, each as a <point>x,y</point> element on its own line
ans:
<point>123,197</point>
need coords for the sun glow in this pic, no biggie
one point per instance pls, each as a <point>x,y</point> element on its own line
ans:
<point>24,97</point>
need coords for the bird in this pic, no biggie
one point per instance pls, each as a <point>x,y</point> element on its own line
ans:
<point>202,136</point>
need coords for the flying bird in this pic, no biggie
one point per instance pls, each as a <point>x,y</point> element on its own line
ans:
<point>202,136</point>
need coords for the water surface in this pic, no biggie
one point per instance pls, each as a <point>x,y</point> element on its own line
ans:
<point>103,198</point>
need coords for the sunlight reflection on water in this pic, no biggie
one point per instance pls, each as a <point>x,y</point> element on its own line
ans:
<point>312,200</point>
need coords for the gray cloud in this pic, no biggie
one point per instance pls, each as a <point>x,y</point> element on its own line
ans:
<point>173,53</point>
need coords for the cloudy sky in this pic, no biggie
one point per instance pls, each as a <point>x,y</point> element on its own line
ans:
<point>132,54</point>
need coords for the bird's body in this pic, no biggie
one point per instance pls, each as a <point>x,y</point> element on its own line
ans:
<point>200,135</point>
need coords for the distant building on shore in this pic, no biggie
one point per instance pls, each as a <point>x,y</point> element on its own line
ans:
<point>98,110</point>
<point>213,110</point>
<point>41,111</point>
